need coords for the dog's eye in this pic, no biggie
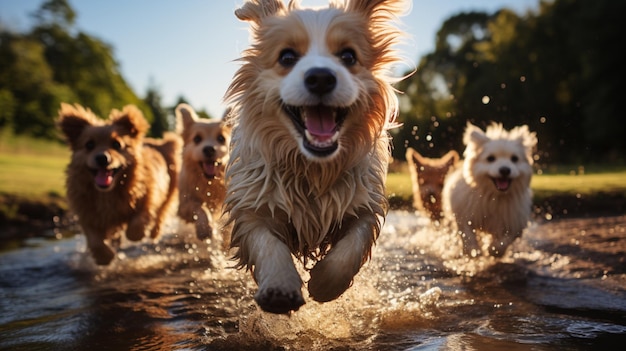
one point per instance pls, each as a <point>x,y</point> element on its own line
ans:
<point>221,139</point>
<point>514,158</point>
<point>197,139</point>
<point>116,145</point>
<point>491,158</point>
<point>288,58</point>
<point>348,57</point>
<point>90,145</point>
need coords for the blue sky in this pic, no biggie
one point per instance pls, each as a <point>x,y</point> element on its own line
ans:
<point>188,48</point>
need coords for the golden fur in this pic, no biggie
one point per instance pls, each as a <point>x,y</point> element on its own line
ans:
<point>491,192</point>
<point>201,187</point>
<point>117,179</point>
<point>427,177</point>
<point>310,146</point>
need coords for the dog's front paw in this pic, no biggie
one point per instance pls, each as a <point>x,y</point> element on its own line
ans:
<point>204,231</point>
<point>136,230</point>
<point>276,301</point>
<point>103,255</point>
<point>327,283</point>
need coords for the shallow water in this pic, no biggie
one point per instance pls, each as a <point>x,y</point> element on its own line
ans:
<point>562,286</point>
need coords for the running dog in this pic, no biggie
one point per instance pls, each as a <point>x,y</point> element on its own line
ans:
<point>310,147</point>
<point>117,179</point>
<point>491,192</point>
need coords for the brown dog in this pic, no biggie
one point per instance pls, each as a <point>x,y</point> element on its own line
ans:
<point>427,178</point>
<point>205,154</point>
<point>117,179</point>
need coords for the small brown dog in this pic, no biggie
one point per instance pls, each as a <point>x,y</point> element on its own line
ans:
<point>427,178</point>
<point>201,184</point>
<point>117,179</point>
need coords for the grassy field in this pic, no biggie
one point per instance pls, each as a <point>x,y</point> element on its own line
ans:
<point>544,184</point>
<point>33,169</point>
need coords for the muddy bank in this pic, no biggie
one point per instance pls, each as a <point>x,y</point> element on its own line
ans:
<point>22,217</point>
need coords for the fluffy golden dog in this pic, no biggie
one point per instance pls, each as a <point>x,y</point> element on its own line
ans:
<point>117,179</point>
<point>201,188</point>
<point>310,146</point>
<point>427,177</point>
<point>491,192</point>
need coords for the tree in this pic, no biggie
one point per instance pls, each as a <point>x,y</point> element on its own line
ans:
<point>556,70</point>
<point>160,123</point>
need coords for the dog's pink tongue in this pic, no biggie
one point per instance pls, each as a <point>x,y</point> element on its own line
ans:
<point>320,121</point>
<point>502,184</point>
<point>104,177</point>
<point>209,168</point>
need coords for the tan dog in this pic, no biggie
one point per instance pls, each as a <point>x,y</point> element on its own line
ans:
<point>201,184</point>
<point>427,177</point>
<point>117,179</point>
<point>310,145</point>
<point>491,192</point>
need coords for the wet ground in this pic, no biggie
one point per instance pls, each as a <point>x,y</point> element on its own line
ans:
<point>562,286</point>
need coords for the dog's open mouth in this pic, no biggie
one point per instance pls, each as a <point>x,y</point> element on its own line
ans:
<point>319,126</point>
<point>210,168</point>
<point>502,183</point>
<point>104,176</point>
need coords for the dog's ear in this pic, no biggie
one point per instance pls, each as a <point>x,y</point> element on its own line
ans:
<point>527,138</point>
<point>73,120</point>
<point>387,8</point>
<point>415,157</point>
<point>409,155</point>
<point>450,158</point>
<point>256,10</point>
<point>131,121</point>
<point>185,117</point>
<point>475,135</point>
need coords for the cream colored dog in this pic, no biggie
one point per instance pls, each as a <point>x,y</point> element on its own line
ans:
<point>310,146</point>
<point>491,192</point>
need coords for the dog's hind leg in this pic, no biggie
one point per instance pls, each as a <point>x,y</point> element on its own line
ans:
<point>280,285</point>
<point>334,273</point>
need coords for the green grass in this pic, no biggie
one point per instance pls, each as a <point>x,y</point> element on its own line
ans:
<point>32,175</point>
<point>32,167</point>
<point>565,182</point>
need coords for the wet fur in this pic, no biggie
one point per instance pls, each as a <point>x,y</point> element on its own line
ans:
<point>472,200</point>
<point>427,177</point>
<point>141,192</point>
<point>201,195</point>
<point>285,199</point>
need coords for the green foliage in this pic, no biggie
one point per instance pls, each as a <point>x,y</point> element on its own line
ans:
<point>557,70</point>
<point>160,123</point>
<point>49,65</point>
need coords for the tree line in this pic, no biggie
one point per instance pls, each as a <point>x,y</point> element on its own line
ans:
<point>558,68</point>
<point>53,63</point>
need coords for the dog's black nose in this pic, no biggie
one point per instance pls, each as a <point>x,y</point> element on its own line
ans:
<point>505,171</point>
<point>320,81</point>
<point>102,160</point>
<point>208,151</point>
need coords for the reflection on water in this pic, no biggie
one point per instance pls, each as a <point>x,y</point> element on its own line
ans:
<point>562,286</point>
